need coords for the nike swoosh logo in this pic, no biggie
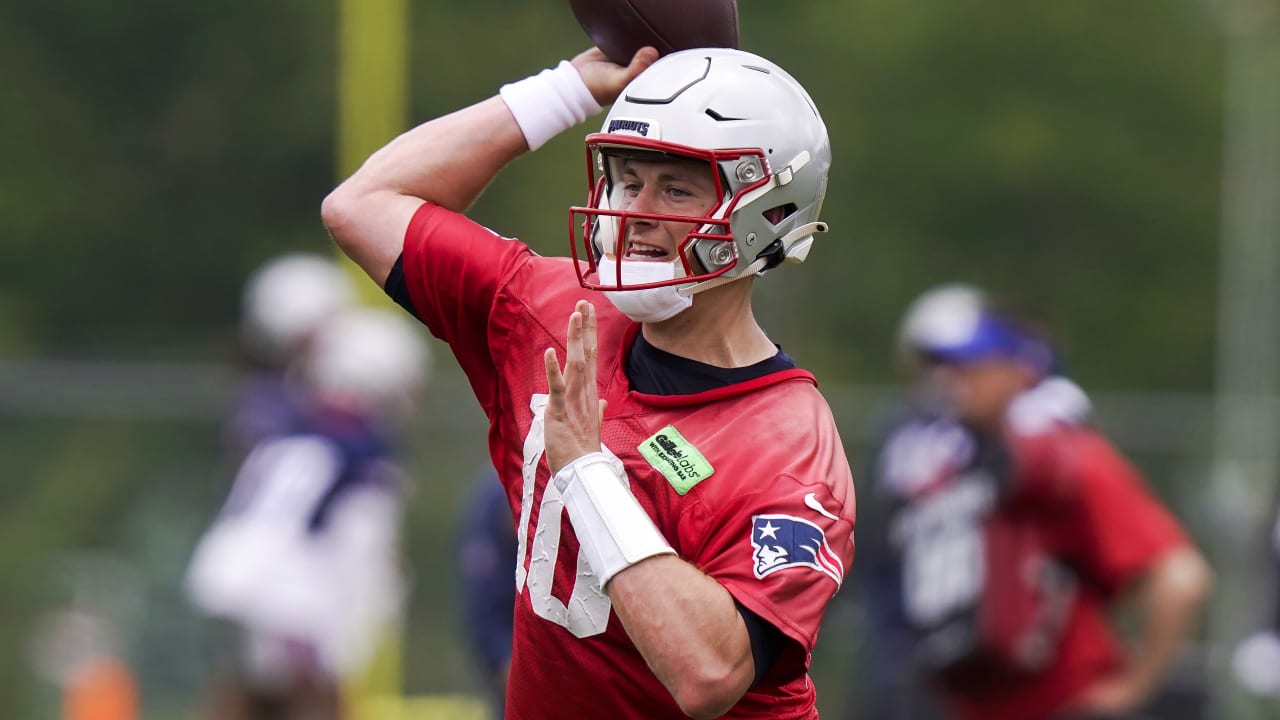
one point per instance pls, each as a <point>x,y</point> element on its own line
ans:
<point>811,501</point>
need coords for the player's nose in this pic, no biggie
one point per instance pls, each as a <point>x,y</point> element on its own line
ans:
<point>644,201</point>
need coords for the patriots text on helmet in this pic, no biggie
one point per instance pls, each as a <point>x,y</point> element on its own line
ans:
<point>639,127</point>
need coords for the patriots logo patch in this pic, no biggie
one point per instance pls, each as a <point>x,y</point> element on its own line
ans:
<point>784,541</point>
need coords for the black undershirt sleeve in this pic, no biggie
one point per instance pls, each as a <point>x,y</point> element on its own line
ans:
<point>396,288</point>
<point>766,640</point>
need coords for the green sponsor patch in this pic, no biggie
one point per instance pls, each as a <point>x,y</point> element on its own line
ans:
<point>676,458</point>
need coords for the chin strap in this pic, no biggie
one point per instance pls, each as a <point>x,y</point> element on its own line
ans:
<point>797,243</point>
<point>760,264</point>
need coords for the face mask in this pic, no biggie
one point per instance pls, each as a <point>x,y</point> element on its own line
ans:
<point>652,305</point>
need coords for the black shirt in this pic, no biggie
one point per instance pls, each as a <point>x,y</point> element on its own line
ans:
<point>658,372</point>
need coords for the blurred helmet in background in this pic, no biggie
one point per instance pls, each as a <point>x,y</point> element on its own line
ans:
<point>286,299</point>
<point>945,316</point>
<point>368,358</point>
<point>956,324</point>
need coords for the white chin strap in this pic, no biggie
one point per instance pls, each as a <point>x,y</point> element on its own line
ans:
<point>653,304</point>
<point>663,303</point>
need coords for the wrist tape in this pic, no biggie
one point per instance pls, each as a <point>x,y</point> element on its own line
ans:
<point>549,103</point>
<point>612,528</point>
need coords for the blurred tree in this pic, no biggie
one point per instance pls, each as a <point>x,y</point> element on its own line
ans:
<point>1067,155</point>
<point>153,153</point>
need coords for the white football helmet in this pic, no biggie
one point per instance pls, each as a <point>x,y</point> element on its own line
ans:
<point>760,135</point>
<point>958,324</point>
<point>369,356</point>
<point>946,315</point>
<point>287,298</point>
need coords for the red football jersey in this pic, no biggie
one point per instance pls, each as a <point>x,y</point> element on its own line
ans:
<point>749,482</point>
<point>1098,517</point>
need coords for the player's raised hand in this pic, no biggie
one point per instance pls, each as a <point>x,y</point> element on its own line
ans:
<point>574,410</point>
<point>605,78</point>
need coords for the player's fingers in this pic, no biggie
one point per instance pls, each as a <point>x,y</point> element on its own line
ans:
<point>573,334</point>
<point>588,312</point>
<point>643,58</point>
<point>573,353</point>
<point>603,404</point>
<point>590,55</point>
<point>579,374</point>
<point>590,347</point>
<point>555,382</point>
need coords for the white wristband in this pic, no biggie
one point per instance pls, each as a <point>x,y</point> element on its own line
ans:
<point>613,530</point>
<point>549,103</point>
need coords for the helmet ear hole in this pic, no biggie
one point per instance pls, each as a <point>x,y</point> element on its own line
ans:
<point>776,215</point>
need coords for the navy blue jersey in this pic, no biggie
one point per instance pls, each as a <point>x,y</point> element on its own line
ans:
<point>486,565</point>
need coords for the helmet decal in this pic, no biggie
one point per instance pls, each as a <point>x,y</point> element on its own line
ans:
<point>629,126</point>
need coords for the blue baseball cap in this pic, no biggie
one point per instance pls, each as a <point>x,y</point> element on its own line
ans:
<point>955,325</point>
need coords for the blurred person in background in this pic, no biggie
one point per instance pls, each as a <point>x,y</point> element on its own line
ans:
<point>283,303</point>
<point>303,558</point>
<point>1256,660</point>
<point>485,563</point>
<point>1015,528</point>
<point>893,690</point>
<point>81,652</point>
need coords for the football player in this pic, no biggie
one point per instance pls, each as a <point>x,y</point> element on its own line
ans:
<point>484,557</point>
<point>303,557</point>
<point>1256,659</point>
<point>684,509</point>
<point>284,303</point>
<point>1016,527</point>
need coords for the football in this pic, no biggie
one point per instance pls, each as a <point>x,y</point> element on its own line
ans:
<point>621,27</point>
